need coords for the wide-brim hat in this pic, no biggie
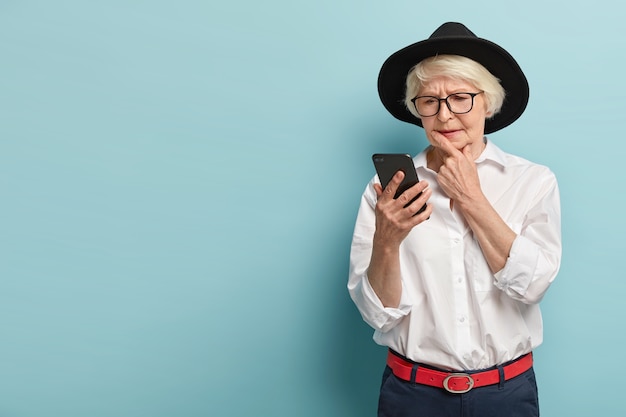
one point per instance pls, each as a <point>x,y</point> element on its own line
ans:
<point>455,39</point>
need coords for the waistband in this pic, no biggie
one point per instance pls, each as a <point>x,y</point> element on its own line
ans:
<point>456,382</point>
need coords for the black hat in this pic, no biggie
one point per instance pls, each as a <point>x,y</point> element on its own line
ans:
<point>455,39</point>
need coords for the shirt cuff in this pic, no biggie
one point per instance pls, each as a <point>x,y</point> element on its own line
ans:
<point>518,271</point>
<point>385,318</point>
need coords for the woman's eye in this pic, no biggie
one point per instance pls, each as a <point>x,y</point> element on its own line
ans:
<point>459,97</point>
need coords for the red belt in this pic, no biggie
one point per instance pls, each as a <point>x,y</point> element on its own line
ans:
<point>456,382</point>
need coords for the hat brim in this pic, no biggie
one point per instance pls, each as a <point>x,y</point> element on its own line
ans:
<point>392,76</point>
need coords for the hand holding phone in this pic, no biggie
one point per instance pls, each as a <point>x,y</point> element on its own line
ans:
<point>386,167</point>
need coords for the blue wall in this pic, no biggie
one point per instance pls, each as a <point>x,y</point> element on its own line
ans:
<point>179,181</point>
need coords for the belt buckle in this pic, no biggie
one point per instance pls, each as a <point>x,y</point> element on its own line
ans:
<point>470,383</point>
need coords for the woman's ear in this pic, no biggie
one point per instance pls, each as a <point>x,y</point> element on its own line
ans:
<point>489,113</point>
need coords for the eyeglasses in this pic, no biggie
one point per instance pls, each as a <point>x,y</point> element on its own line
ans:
<point>458,103</point>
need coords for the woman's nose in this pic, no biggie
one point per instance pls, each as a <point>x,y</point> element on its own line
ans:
<point>444,112</point>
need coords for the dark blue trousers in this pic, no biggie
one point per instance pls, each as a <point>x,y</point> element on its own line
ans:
<point>516,397</point>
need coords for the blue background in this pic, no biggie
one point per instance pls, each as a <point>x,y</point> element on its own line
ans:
<point>179,182</point>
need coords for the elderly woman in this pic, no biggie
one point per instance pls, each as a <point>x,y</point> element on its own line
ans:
<point>453,291</point>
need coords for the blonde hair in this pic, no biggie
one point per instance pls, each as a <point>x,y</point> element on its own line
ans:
<point>459,68</point>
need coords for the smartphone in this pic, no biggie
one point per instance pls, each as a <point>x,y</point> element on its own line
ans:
<point>387,164</point>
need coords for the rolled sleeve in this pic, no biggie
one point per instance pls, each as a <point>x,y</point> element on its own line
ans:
<point>519,270</point>
<point>372,310</point>
<point>535,255</point>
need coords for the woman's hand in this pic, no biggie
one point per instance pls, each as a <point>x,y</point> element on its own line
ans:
<point>458,176</point>
<point>394,221</point>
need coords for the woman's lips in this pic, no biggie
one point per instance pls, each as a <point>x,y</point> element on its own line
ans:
<point>448,133</point>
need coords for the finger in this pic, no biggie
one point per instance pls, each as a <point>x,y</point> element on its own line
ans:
<point>418,218</point>
<point>379,189</point>
<point>425,215</point>
<point>392,186</point>
<point>467,152</point>
<point>444,144</point>
<point>414,199</point>
<point>419,202</point>
<point>408,195</point>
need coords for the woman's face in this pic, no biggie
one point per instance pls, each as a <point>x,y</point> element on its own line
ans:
<point>461,129</point>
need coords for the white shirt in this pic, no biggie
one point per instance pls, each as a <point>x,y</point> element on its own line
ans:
<point>454,313</point>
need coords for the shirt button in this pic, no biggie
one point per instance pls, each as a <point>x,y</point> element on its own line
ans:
<point>459,279</point>
<point>462,319</point>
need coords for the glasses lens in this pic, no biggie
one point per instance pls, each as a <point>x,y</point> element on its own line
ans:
<point>460,102</point>
<point>427,106</point>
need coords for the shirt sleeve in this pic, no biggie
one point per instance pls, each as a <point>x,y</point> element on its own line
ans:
<point>367,302</point>
<point>535,255</point>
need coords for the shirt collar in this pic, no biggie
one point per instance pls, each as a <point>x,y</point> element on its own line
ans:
<point>492,153</point>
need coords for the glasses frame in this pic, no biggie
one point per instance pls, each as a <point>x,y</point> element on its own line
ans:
<point>439,100</point>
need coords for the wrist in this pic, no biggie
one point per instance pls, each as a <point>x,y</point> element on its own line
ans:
<point>470,203</point>
<point>384,245</point>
